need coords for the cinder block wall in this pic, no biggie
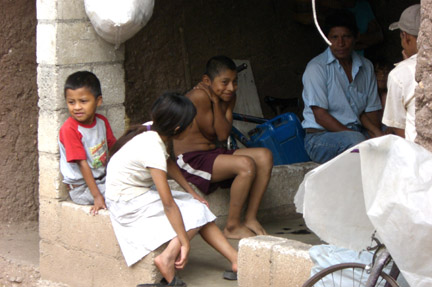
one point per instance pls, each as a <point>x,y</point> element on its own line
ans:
<point>71,246</point>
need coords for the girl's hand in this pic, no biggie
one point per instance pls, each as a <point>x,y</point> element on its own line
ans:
<point>182,259</point>
<point>202,200</point>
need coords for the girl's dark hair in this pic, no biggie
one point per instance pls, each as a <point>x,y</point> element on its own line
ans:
<point>341,18</point>
<point>83,79</point>
<point>169,111</point>
<point>218,64</point>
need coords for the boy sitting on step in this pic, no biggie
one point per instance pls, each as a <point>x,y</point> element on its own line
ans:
<point>84,140</point>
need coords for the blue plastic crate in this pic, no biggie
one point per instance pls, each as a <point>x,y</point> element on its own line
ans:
<point>284,136</point>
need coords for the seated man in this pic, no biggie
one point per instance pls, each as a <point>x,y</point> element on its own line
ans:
<point>399,112</point>
<point>339,87</point>
<point>204,163</point>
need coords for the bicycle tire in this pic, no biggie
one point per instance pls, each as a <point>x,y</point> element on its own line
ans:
<point>330,273</point>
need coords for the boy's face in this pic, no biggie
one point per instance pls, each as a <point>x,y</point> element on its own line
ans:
<point>82,105</point>
<point>224,85</point>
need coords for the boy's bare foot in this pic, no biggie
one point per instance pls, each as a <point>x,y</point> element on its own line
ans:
<point>238,232</point>
<point>165,266</point>
<point>255,227</point>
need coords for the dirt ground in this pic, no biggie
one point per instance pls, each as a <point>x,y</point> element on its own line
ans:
<point>19,256</point>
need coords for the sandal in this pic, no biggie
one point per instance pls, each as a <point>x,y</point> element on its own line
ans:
<point>230,275</point>
<point>176,282</point>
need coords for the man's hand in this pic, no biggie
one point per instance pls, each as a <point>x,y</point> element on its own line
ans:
<point>99,203</point>
<point>213,98</point>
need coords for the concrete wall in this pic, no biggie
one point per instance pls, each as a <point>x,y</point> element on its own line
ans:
<point>67,42</point>
<point>18,112</point>
<point>424,77</point>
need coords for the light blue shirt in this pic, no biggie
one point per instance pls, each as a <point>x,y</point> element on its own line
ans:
<point>326,85</point>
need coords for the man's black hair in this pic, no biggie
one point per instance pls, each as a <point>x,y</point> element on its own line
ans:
<point>218,64</point>
<point>341,18</point>
<point>83,79</point>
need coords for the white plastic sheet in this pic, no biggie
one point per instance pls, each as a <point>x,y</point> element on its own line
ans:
<point>387,187</point>
<point>118,20</point>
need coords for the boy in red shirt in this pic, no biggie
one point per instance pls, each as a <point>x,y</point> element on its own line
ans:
<point>84,140</point>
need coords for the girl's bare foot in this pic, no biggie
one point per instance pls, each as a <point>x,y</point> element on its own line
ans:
<point>255,227</point>
<point>165,266</point>
<point>238,232</point>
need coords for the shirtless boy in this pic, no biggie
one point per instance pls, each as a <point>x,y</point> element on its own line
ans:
<point>207,165</point>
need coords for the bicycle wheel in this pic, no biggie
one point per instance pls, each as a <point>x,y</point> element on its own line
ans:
<point>347,275</point>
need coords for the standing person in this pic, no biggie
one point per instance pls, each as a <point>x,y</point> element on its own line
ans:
<point>84,140</point>
<point>144,212</point>
<point>399,112</point>
<point>207,165</point>
<point>339,87</point>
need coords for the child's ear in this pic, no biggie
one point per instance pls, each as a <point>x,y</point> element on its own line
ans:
<point>99,100</point>
<point>176,130</point>
<point>206,80</point>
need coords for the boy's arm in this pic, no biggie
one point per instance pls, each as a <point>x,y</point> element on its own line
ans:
<point>214,117</point>
<point>367,123</point>
<point>99,201</point>
<point>175,173</point>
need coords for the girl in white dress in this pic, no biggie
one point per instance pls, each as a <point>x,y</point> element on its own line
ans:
<point>144,212</point>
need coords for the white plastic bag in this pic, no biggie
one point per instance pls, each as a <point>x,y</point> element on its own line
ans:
<point>387,187</point>
<point>118,20</point>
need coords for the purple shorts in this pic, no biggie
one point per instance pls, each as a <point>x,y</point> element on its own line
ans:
<point>197,168</point>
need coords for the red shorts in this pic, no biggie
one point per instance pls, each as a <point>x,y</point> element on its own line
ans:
<point>197,168</point>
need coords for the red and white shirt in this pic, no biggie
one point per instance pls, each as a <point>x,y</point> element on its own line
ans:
<point>78,142</point>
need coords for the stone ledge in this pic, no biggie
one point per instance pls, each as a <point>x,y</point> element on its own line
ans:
<point>79,249</point>
<point>273,262</point>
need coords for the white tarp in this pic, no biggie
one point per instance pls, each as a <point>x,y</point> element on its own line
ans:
<point>118,20</point>
<point>385,186</point>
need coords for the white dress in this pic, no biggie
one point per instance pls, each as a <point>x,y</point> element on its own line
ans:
<point>136,210</point>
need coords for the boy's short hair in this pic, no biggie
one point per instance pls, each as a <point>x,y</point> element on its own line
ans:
<point>218,64</point>
<point>341,18</point>
<point>83,79</point>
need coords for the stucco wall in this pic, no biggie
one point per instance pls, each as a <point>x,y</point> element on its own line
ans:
<point>18,111</point>
<point>424,77</point>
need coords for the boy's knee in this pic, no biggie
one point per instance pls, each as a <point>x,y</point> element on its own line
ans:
<point>247,165</point>
<point>267,157</point>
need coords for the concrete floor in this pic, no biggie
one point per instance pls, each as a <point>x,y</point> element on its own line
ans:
<point>20,243</point>
<point>206,266</point>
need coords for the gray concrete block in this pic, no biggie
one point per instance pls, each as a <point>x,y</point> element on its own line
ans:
<point>81,250</point>
<point>50,179</point>
<point>69,43</point>
<point>81,230</point>
<point>46,43</point>
<point>61,264</point>
<point>112,78</point>
<point>142,272</point>
<point>49,223</point>
<point>71,9</point>
<point>273,261</point>
<point>116,115</point>
<point>291,264</point>
<point>49,126</point>
<point>60,9</point>
<point>77,42</point>
<point>254,260</point>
